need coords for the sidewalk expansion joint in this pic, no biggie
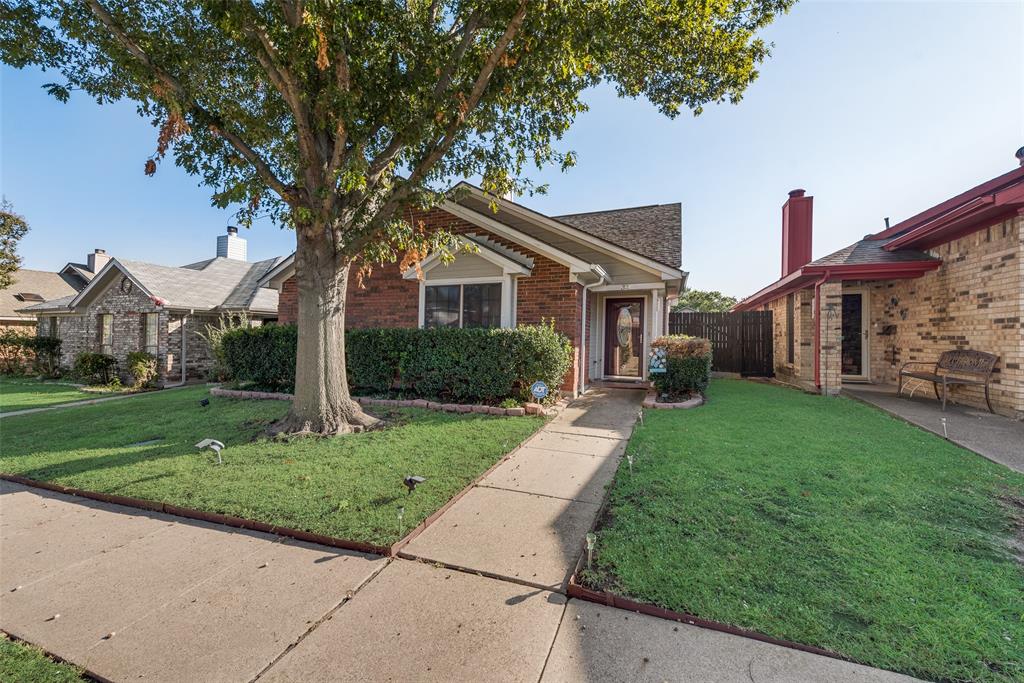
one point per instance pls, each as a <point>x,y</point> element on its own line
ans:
<point>326,617</point>
<point>592,436</point>
<point>560,589</point>
<point>540,495</point>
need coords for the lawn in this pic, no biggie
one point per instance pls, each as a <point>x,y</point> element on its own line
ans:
<point>825,522</point>
<point>349,487</point>
<point>20,393</point>
<point>21,663</point>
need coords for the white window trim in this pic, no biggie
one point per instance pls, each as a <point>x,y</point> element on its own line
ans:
<point>508,298</point>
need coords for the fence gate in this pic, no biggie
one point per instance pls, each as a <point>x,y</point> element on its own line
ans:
<point>741,342</point>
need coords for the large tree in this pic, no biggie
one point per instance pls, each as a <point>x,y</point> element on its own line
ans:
<point>12,228</point>
<point>706,301</point>
<point>339,118</point>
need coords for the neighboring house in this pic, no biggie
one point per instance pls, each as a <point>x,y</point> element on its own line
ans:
<point>606,280</point>
<point>950,277</point>
<point>30,287</point>
<point>133,306</point>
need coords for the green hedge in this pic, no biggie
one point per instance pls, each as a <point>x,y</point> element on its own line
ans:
<point>687,365</point>
<point>462,365</point>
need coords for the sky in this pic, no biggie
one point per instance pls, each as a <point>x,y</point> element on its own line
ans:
<point>875,108</point>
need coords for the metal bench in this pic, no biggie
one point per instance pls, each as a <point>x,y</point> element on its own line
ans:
<point>972,368</point>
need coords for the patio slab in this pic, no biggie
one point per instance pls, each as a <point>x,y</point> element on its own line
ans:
<point>549,473</point>
<point>599,643</point>
<point>414,622</point>
<point>519,536</point>
<point>238,622</point>
<point>995,437</point>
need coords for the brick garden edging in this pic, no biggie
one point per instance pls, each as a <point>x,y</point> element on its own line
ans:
<point>651,401</point>
<point>525,409</point>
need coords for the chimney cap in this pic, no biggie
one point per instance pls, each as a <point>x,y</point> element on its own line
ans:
<point>232,230</point>
<point>1020,155</point>
<point>99,251</point>
<point>799,192</point>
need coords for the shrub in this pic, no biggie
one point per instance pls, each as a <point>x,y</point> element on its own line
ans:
<point>46,352</point>
<point>214,336</point>
<point>13,354</point>
<point>466,365</point>
<point>95,368</point>
<point>687,365</point>
<point>264,356</point>
<point>142,368</point>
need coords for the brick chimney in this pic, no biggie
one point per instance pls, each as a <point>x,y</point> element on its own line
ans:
<point>796,231</point>
<point>96,260</point>
<point>231,245</point>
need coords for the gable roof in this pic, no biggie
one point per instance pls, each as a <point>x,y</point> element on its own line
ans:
<point>654,231</point>
<point>40,282</point>
<point>219,283</point>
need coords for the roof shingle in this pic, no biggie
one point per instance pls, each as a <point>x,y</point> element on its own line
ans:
<point>654,231</point>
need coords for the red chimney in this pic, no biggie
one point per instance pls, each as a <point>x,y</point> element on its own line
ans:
<point>796,231</point>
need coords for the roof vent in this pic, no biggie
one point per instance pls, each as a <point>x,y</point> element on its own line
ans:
<point>1020,156</point>
<point>231,245</point>
<point>28,296</point>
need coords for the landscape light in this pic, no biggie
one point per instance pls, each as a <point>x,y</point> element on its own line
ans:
<point>205,402</point>
<point>412,482</point>
<point>213,445</point>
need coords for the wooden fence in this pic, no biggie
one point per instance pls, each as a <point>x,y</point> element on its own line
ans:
<point>741,342</point>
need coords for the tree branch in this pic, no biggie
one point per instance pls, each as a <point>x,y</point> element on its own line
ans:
<point>287,193</point>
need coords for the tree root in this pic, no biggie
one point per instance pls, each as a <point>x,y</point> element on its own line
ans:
<point>355,422</point>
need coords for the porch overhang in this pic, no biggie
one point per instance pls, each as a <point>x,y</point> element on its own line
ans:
<point>810,275</point>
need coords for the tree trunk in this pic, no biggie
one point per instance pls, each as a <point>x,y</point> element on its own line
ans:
<point>322,402</point>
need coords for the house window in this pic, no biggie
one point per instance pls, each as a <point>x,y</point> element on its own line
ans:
<point>54,328</point>
<point>106,333</point>
<point>469,305</point>
<point>151,331</point>
<point>790,351</point>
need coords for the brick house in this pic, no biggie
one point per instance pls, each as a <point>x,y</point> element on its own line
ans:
<point>134,306</point>
<point>950,277</point>
<point>606,279</point>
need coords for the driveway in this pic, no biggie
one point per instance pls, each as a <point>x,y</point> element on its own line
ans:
<point>479,596</point>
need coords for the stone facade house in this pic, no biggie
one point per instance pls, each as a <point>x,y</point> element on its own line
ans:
<point>29,288</point>
<point>134,306</point>
<point>605,279</point>
<point>950,277</point>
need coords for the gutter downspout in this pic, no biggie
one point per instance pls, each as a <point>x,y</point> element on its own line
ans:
<point>602,278</point>
<point>817,328</point>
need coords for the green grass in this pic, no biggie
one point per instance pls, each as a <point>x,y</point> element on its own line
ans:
<point>20,663</point>
<point>825,522</point>
<point>348,487</point>
<point>21,393</point>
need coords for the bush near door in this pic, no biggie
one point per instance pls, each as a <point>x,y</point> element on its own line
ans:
<point>687,365</point>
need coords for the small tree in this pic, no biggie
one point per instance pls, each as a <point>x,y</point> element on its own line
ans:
<point>214,333</point>
<point>12,228</point>
<point>705,301</point>
<point>340,117</point>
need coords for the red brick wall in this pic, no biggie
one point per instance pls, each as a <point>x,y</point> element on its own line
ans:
<point>389,300</point>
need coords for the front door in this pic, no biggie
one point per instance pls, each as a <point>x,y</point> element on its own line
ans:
<point>855,336</point>
<point>624,337</point>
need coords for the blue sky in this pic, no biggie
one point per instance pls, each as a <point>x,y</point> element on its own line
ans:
<point>876,108</point>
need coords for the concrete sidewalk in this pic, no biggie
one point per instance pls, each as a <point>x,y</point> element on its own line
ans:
<point>995,437</point>
<point>526,521</point>
<point>143,596</point>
